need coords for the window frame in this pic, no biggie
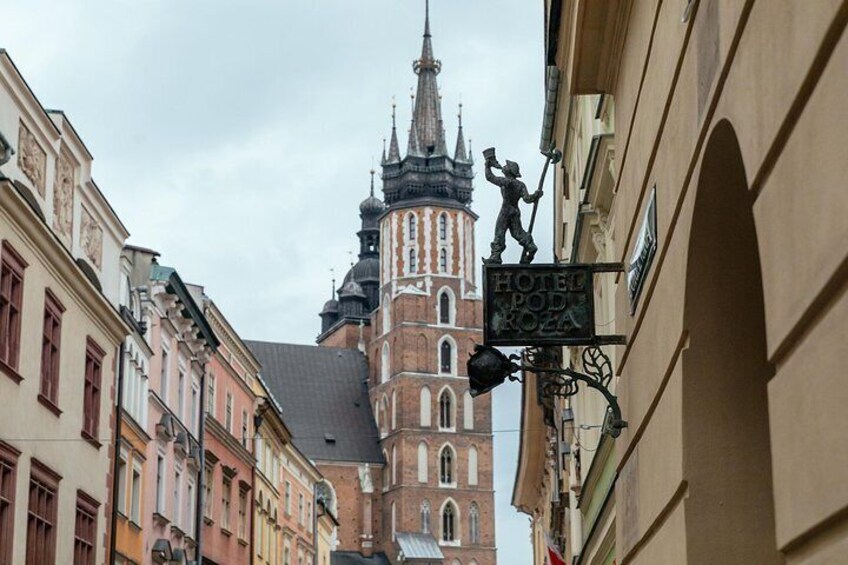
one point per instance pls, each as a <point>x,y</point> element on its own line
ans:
<point>12,283</point>
<point>94,356</point>
<point>51,352</point>
<point>85,548</point>
<point>41,546</point>
<point>8,485</point>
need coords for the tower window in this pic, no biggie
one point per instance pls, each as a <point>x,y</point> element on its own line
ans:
<point>413,261</point>
<point>445,410</point>
<point>448,522</point>
<point>474,523</point>
<point>413,228</point>
<point>425,517</point>
<point>443,227</point>
<point>444,308</point>
<point>443,260</point>
<point>446,357</point>
<point>446,466</point>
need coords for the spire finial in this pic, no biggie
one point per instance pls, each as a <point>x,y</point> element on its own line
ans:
<point>394,112</point>
<point>394,148</point>
<point>350,254</point>
<point>372,179</point>
<point>426,18</point>
<point>333,275</point>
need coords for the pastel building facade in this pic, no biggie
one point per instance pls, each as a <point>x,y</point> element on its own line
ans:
<point>60,332</point>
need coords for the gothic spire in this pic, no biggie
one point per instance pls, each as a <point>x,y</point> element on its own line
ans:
<point>394,149</point>
<point>460,153</point>
<point>428,110</point>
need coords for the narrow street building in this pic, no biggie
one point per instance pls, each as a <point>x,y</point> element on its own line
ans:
<point>704,149</point>
<point>60,333</point>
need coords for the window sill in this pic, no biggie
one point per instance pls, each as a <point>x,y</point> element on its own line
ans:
<point>226,532</point>
<point>47,403</point>
<point>177,531</point>
<point>10,372</point>
<point>453,543</point>
<point>160,519</point>
<point>447,485</point>
<point>90,439</point>
<point>135,525</point>
<point>242,542</point>
<point>208,521</point>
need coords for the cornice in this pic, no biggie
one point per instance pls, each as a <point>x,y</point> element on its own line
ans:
<point>232,444</point>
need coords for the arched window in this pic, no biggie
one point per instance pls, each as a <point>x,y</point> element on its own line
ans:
<point>394,522</point>
<point>443,227</point>
<point>394,465</point>
<point>445,308</point>
<point>413,228</point>
<point>387,313</point>
<point>425,517</point>
<point>386,470</point>
<point>446,357</point>
<point>443,260</point>
<point>394,409</point>
<point>413,261</point>
<point>472,466</point>
<point>422,462</point>
<point>385,366</point>
<point>384,415</point>
<point>449,522</point>
<point>467,411</point>
<point>474,523</point>
<point>446,475</point>
<point>446,410</point>
<point>425,407</point>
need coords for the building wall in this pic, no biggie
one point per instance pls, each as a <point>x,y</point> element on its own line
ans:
<point>725,113</point>
<point>359,511</point>
<point>298,479</point>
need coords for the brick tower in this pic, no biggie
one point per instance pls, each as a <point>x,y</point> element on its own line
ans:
<point>437,442</point>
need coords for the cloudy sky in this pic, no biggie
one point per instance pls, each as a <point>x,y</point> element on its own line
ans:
<point>236,138</point>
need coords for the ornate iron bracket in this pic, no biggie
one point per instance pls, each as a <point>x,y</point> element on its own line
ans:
<point>488,367</point>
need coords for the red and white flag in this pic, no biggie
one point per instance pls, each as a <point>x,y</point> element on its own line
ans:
<point>554,556</point>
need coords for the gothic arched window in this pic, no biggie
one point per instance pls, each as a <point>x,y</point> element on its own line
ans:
<point>446,409</point>
<point>446,357</point>
<point>425,407</point>
<point>385,369</point>
<point>443,227</point>
<point>444,308</point>
<point>472,466</point>
<point>474,523</point>
<point>386,471</point>
<point>413,261</point>
<point>413,228</point>
<point>443,260</point>
<point>425,517</point>
<point>446,458</point>
<point>449,522</point>
<point>422,463</point>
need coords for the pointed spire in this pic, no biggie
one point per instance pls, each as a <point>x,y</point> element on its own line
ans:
<point>372,181</point>
<point>460,154</point>
<point>412,147</point>
<point>442,146</point>
<point>428,109</point>
<point>394,148</point>
<point>470,152</point>
<point>383,158</point>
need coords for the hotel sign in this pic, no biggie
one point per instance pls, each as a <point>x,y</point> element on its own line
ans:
<point>541,304</point>
<point>643,252</point>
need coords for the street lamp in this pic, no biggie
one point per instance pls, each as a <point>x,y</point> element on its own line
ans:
<point>488,367</point>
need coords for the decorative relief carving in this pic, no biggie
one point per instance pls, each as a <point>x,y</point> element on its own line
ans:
<point>63,197</point>
<point>91,238</point>
<point>32,160</point>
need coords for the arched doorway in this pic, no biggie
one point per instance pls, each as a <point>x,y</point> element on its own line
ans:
<point>727,454</point>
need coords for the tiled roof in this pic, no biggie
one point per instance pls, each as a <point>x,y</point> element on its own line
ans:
<point>323,392</point>
<point>353,558</point>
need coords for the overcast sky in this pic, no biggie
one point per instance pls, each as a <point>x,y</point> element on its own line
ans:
<point>236,137</point>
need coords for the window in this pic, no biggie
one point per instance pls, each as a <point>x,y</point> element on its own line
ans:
<point>422,462</point>
<point>384,416</point>
<point>449,522</point>
<point>387,313</point>
<point>443,227</point>
<point>413,261</point>
<point>160,484</point>
<point>385,367</point>
<point>300,509</point>
<point>446,410</point>
<point>181,395</point>
<point>472,466</point>
<point>242,514</point>
<point>41,517</point>
<point>244,430</point>
<point>11,302</point>
<point>135,495</point>
<point>394,464</point>
<point>425,407</point>
<point>474,523</point>
<point>287,554</point>
<point>394,522</point>
<point>226,497</point>
<point>444,308</point>
<point>165,381</point>
<point>443,260</point>
<point>178,483</point>
<point>193,408</point>
<point>91,396</point>
<point>210,394</point>
<point>50,347</point>
<point>209,490</point>
<point>468,411</point>
<point>386,471</point>
<point>122,484</point>
<point>446,476</point>
<point>85,530</point>
<point>446,357</point>
<point>413,225</point>
<point>425,517</point>
<point>394,409</point>
<point>228,414</point>
<point>287,499</point>
<point>8,465</point>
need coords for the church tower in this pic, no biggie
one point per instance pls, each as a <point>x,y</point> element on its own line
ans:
<point>436,440</point>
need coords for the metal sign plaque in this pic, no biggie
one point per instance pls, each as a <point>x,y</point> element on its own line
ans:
<point>643,253</point>
<point>526,305</point>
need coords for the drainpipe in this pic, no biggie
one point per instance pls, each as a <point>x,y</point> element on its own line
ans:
<point>315,523</point>
<point>119,416</point>
<point>201,487</point>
